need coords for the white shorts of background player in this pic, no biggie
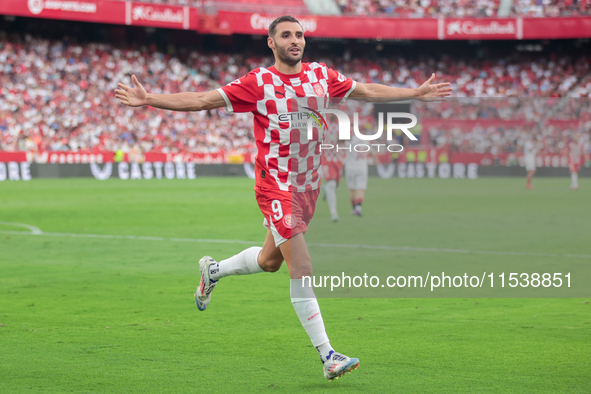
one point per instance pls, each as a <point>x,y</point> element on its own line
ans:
<point>356,177</point>
<point>530,163</point>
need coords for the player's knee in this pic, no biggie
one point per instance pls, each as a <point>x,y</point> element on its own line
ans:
<point>271,265</point>
<point>304,268</point>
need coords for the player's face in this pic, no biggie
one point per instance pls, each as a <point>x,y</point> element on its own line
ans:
<point>288,43</point>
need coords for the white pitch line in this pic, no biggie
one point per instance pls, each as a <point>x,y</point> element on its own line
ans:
<point>336,246</point>
<point>34,230</point>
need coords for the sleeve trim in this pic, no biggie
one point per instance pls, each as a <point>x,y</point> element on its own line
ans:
<point>353,85</point>
<point>229,107</point>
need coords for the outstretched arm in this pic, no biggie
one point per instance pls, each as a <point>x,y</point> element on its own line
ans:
<point>374,92</point>
<point>192,101</point>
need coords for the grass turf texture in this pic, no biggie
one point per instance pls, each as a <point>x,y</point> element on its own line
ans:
<point>118,315</point>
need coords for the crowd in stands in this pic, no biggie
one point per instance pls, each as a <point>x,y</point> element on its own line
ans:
<point>507,108</point>
<point>491,125</point>
<point>551,8</point>
<point>553,139</point>
<point>524,76</point>
<point>421,8</point>
<point>58,95</point>
<point>464,8</point>
<point>552,122</point>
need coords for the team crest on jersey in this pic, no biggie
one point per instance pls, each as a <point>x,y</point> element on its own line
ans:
<point>318,89</point>
<point>289,221</point>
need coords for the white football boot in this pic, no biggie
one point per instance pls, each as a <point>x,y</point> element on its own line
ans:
<point>206,285</point>
<point>338,364</point>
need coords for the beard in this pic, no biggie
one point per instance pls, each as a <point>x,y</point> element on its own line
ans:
<point>284,55</point>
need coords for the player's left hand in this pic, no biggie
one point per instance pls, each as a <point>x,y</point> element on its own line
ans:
<point>434,92</point>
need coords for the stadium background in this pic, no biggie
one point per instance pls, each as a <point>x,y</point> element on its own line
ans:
<point>74,298</point>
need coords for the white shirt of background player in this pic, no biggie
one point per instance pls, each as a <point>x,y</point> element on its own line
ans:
<point>529,154</point>
<point>354,158</point>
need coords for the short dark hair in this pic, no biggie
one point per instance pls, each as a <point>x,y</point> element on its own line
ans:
<point>284,18</point>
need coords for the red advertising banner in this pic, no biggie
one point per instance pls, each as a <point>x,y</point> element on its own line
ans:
<point>424,155</point>
<point>71,157</point>
<point>508,159</point>
<point>489,28</point>
<point>564,124</point>
<point>416,155</point>
<point>76,10</point>
<point>18,157</point>
<point>103,11</point>
<point>56,157</point>
<point>198,158</point>
<point>229,22</point>
<point>409,155</point>
<point>157,15</point>
<point>559,27</point>
<point>332,26</point>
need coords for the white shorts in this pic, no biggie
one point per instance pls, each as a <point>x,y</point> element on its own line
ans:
<point>356,177</point>
<point>530,163</point>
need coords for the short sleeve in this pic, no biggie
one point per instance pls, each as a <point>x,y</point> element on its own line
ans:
<point>242,94</point>
<point>339,85</point>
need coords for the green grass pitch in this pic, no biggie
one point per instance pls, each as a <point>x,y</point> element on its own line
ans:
<point>116,314</point>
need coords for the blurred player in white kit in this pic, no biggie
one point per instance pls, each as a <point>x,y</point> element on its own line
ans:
<point>356,172</point>
<point>576,155</point>
<point>530,148</point>
<point>332,168</point>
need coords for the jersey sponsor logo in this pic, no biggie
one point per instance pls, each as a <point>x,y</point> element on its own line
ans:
<point>341,77</point>
<point>299,120</point>
<point>318,89</point>
<point>235,82</point>
<point>281,93</point>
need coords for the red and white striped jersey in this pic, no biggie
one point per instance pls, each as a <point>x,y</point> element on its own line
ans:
<point>286,160</point>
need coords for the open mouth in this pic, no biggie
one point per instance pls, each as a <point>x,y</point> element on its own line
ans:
<point>294,51</point>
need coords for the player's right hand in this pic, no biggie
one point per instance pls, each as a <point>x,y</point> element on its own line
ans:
<point>134,97</point>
